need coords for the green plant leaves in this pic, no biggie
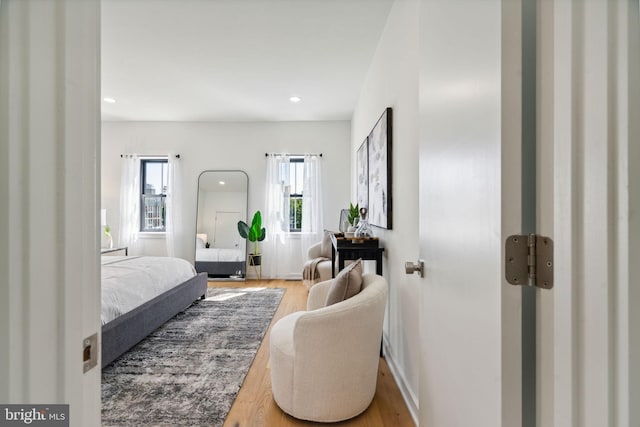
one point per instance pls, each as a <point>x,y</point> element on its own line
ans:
<point>354,213</point>
<point>243,229</point>
<point>255,233</point>
<point>256,223</point>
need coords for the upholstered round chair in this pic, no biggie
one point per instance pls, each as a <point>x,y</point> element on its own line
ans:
<point>323,267</point>
<point>324,361</point>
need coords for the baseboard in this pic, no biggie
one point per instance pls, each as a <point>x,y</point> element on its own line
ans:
<point>409,398</point>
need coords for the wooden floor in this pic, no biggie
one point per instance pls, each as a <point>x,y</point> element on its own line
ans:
<point>255,407</point>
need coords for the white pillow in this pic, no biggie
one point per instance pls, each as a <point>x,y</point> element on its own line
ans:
<point>199,243</point>
<point>325,247</point>
<point>346,284</point>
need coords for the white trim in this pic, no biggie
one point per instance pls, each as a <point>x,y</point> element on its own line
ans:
<point>409,397</point>
<point>143,235</point>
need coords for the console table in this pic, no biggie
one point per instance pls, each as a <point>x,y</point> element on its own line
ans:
<point>351,249</point>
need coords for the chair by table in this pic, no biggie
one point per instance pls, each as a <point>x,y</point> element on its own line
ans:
<point>324,361</point>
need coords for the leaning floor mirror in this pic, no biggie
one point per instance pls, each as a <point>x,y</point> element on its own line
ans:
<point>222,202</point>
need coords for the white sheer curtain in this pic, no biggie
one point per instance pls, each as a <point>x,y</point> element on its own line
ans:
<point>276,214</point>
<point>173,219</point>
<point>312,203</point>
<point>129,201</point>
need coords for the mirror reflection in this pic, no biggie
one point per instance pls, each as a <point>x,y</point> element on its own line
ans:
<point>222,202</point>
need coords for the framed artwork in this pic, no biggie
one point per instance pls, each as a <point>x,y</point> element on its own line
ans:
<point>362,166</point>
<point>379,154</point>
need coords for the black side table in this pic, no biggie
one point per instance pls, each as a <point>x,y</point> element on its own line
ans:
<point>352,249</point>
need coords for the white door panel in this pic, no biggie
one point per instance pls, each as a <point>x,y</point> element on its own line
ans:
<point>50,270</point>
<point>226,230</point>
<point>588,107</point>
<point>469,199</point>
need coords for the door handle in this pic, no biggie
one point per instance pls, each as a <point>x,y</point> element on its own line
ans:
<point>414,267</point>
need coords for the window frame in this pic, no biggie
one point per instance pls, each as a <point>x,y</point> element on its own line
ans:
<point>143,195</point>
<point>295,196</point>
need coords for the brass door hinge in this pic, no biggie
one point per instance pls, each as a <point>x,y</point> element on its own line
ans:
<point>529,260</point>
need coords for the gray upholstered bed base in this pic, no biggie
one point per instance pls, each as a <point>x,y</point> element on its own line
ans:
<point>220,268</point>
<point>122,333</point>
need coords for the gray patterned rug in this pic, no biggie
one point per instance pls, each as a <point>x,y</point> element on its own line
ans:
<point>189,371</point>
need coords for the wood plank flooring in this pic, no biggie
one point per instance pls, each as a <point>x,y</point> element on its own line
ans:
<point>255,407</point>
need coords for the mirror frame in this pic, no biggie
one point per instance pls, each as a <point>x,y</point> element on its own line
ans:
<point>244,265</point>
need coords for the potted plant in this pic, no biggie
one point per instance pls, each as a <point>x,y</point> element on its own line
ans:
<point>254,233</point>
<point>108,238</point>
<point>354,216</point>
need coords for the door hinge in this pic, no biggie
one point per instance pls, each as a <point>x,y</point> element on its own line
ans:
<point>529,260</point>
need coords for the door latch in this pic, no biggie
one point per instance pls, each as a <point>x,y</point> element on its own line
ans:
<point>529,260</point>
<point>89,352</point>
<point>414,267</point>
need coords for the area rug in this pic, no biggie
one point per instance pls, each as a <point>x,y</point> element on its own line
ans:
<point>189,371</point>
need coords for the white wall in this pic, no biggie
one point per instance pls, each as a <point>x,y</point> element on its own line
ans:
<point>225,146</point>
<point>392,81</point>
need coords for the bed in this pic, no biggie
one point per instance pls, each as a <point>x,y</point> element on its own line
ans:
<point>220,262</point>
<point>141,293</point>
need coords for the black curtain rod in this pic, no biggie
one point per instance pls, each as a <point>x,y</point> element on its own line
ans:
<point>292,155</point>
<point>150,155</point>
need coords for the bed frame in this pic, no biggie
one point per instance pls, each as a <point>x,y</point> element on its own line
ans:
<point>122,333</point>
<point>218,269</point>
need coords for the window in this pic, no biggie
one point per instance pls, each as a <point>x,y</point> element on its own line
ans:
<point>296,186</point>
<point>153,176</point>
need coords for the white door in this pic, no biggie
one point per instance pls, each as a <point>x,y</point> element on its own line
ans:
<point>469,202</point>
<point>588,325</point>
<point>589,107</point>
<point>226,230</point>
<point>49,222</point>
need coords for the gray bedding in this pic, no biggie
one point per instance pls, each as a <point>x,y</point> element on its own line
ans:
<point>122,333</point>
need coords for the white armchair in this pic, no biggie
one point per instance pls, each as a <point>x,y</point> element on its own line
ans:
<point>324,361</point>
<point>323,268</point>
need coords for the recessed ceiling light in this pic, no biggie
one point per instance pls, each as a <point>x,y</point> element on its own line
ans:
<point>295,99</point>
<point>221,182</point>
<point>109,100</point>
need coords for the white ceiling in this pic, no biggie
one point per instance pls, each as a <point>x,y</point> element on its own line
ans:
<point>237,60</point>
